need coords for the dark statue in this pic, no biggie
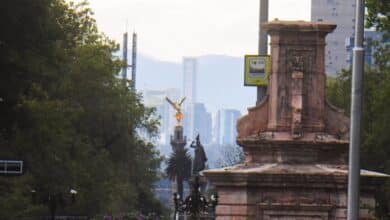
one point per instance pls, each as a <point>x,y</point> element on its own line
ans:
<point>200,156</point>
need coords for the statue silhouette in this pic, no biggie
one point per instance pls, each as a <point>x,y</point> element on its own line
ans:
<point>200,156</point>
<point>177,106</point>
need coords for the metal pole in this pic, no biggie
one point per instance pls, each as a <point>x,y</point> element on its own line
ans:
<point>134,61</point>
<point>125,65</point>
<point>263,44</point>
<point>356,112</point>
<point>263,17</point>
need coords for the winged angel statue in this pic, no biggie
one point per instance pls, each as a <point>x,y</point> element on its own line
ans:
<point>177,106</point>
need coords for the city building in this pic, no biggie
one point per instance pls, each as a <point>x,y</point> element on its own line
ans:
<point>342,13</point>
<point>189,121</point>
<point>202,123</point>
<point>225,126</point>
<point>370,36</point>
<point>189,91</point>
<point>189,79</point>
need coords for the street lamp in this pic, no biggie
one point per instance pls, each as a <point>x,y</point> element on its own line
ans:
<point>73,194</point>
<point>53,200</point>
<point>195,204</point>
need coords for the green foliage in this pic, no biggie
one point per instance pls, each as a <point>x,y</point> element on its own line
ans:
<point>67,115</point>
<point>378,13</point>
<point>375,153</point>
<point>178,168</point>
<point>338,90</point>
<point>179,164</point>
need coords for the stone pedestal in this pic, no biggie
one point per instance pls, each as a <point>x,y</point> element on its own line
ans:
<point>295,142</point>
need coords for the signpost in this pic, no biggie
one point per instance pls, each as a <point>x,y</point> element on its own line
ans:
<point>11,167</point>
<point>257,69</point>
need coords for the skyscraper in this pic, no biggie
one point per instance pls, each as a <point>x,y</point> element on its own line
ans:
<point>225,127</point>
<point>189,79</point>
<point>202,123</point>
<point>342,13</point>
<point>189,91</point>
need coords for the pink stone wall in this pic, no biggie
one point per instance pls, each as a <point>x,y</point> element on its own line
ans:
<point>287,204</point>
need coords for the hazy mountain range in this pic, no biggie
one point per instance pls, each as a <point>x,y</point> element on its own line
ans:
<point>219,80</point>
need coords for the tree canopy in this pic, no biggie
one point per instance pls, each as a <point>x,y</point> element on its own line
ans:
<point>67,115</point>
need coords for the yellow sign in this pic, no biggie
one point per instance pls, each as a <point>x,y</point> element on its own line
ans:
<point>257,69</point>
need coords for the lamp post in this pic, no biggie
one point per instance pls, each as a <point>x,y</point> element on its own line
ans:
<point>263,44</point>
<point>195,204</point>
<point>356,114</point>
<point>73,194</point>
<point>53,200</point>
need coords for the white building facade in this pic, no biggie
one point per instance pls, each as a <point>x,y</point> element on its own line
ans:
<point>342,13</point>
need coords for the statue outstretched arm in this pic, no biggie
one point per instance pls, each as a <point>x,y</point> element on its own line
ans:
<point>182,100</point>
<point>173,104</point>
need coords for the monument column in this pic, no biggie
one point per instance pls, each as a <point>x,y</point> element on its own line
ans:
<point>178,140</point>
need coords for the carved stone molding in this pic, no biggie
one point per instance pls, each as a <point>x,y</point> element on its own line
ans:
<point>278,211</point>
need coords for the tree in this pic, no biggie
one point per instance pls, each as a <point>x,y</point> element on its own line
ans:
<point>375,121</point>
<point>65,113</point>
<point>378,15</point>
<point>230,156</point>
<point>179,168</point>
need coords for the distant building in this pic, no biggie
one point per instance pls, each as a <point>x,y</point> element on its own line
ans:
<point>156,99</point>
<point>225,127</point>
<point>188,121</point>
<point>189,79</point>
<point>342,13</point>
<point>189,91</point>
<point>369,37</point>
<point>202,123</point>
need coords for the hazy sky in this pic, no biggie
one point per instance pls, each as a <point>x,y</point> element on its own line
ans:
<point>170,29</point>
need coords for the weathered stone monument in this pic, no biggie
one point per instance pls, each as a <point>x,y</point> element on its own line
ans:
<point>295,142</point>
